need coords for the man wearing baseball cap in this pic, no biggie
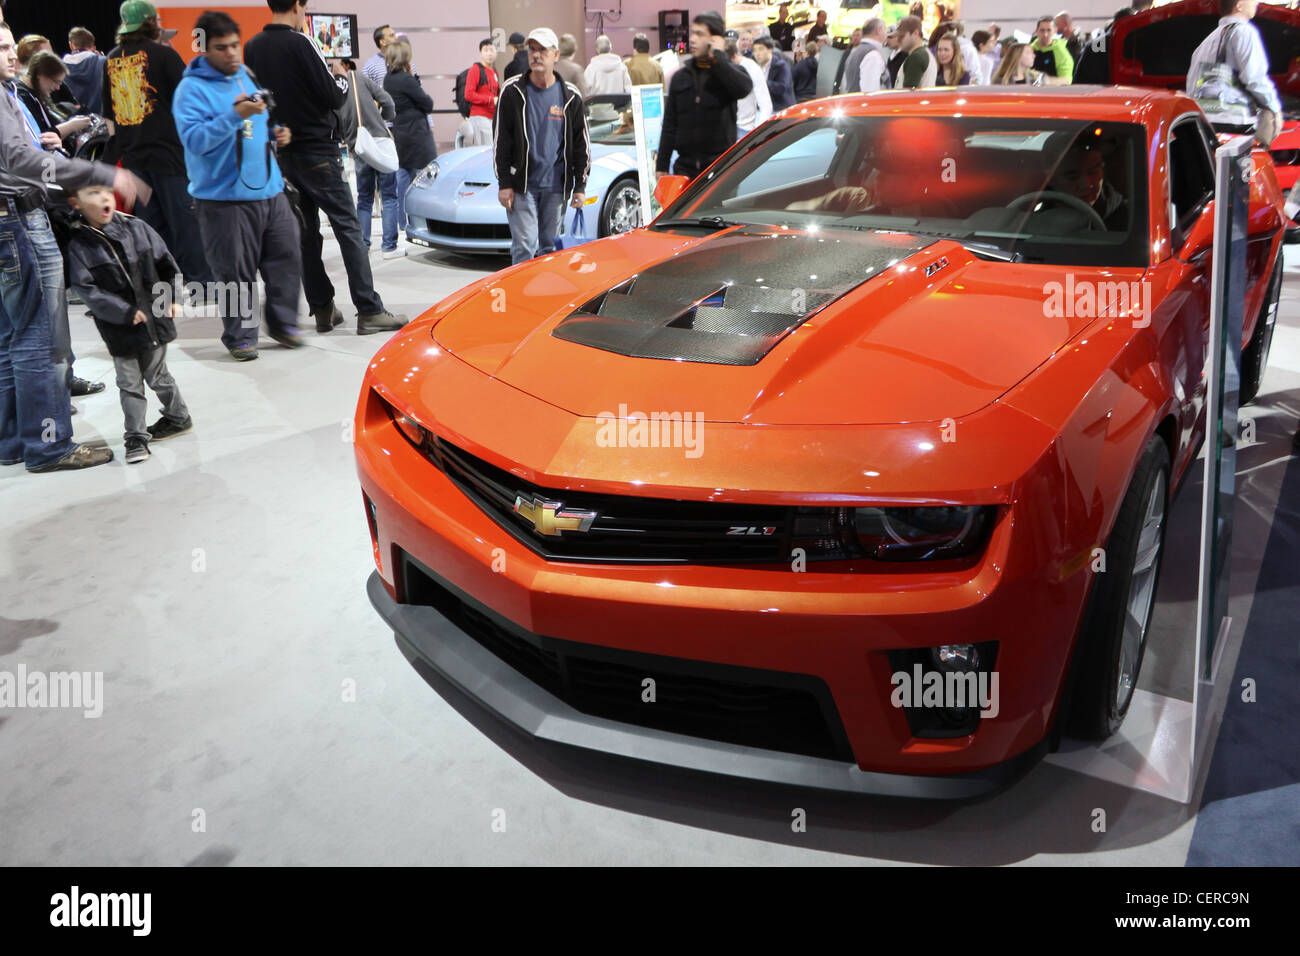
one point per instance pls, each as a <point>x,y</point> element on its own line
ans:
<point>518,64</point>
<point>543,151</point>
<point>700,108</point>
<point>140,78</point>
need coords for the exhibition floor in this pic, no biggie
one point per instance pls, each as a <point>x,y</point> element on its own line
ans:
<point>256,710</point>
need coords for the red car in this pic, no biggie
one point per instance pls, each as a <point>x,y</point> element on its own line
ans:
<point>1153,48</point>
<point>851,418</point>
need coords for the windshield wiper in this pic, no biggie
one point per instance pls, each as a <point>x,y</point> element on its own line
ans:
<point>707,222</point>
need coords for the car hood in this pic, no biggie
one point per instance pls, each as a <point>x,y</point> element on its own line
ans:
<point>766,326</point>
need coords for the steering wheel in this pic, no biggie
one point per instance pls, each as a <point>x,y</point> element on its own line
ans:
<point>1066,198</point>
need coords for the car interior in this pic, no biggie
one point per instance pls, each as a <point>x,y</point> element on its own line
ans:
<point>1011,184</point>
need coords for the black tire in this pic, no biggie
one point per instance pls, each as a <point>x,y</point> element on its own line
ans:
<point>626,188</point>
<point>1254,357</point>
<point>1099,703</point>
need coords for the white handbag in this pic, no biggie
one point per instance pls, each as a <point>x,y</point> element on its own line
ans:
<point>377,152</point>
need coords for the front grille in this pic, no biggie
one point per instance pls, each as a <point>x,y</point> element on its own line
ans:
<point>627,529</point>
<point>469,230</point>
<point>770,710</point>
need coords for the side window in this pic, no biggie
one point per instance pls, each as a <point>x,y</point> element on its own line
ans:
<point>1191,175</point>
<point>808,158</point>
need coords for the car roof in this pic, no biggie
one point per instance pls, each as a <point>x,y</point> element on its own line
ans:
<point>1124,104</point>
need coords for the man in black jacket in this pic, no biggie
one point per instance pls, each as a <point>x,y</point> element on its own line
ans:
<point>543,150</point>
<point>140,79</point>
<point>518,50</point>
<point>700,108</point>
<point>284,60</point>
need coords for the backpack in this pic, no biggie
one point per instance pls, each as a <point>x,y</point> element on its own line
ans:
<point>462,79</point>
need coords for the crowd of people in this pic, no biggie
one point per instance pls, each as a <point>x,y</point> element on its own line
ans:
<point>228,163</point>
<point>225,165</point>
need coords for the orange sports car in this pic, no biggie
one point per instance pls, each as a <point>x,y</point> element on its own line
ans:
<point>806,481</point>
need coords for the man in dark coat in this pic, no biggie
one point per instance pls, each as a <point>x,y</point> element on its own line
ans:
<point>700,108</point>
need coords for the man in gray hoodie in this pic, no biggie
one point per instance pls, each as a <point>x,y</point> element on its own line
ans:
<point>606,72</point>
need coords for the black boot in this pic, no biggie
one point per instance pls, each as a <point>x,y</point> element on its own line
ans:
<point>327,318</point>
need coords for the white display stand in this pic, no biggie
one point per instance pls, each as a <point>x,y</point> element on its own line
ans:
<point>1165,742</point>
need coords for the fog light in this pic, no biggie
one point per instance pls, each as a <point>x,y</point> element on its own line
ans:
<point>957,657</point>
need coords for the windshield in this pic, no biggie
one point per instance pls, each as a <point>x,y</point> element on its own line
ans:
<point>1065,192</point>
<point>609,120</point>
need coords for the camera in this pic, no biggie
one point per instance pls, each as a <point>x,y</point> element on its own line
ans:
<point>263,96</point>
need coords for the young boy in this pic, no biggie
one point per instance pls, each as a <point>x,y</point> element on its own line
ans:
<point>115,262</point>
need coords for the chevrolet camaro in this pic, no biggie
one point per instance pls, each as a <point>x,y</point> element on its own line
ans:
<point>851,470</point>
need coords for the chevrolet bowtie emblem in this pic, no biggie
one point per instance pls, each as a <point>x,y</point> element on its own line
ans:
<point>550,517</point>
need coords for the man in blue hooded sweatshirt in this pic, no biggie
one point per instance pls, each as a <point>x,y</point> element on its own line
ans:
<point>247,223</point>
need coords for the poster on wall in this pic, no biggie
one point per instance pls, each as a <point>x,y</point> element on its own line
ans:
<point>842,16</point>
<point>648,121</point>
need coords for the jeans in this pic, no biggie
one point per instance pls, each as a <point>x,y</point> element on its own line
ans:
<point>132,373</point>
<point>367,178</point>
<point>404,179</point>
<point>534,220</point>
<point>243,238</point>
<point>35,426</point>
<point>321,188</point>
<point>171,213</point>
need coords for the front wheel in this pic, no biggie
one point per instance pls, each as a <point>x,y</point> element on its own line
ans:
<point>622,210</point>
<point>1118,616</point>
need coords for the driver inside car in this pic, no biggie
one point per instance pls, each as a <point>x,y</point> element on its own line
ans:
<point>894,180</point>
<point>1082,174</point>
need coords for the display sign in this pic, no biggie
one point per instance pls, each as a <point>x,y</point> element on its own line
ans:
<point>648,122</point>
<point>336,33</point>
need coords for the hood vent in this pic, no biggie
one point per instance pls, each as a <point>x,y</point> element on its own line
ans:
<point>730,299</point>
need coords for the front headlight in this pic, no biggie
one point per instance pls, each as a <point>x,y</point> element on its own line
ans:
<point>892,534</point>
<point>411,430</point>
<point>921,534</point>
<point>427,175</point>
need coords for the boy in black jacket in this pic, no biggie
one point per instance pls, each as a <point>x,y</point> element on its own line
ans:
<point>116,261</point>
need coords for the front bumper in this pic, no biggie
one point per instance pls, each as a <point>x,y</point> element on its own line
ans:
<point>838,628</point>
<point>427,634</point>
<point>419,231</point>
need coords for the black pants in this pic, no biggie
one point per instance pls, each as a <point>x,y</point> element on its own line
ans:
<point>243,238</point>
<point>172,214</point>
<point>692,166</point>
<point>321,188</point>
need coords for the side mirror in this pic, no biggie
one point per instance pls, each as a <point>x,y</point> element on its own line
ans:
<point>669,188</point>
<point>1200,237</point>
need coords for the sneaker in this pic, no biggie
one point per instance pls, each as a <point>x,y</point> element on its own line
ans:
<point>327,318</point>
<point>165,428</point>
<point>82,456</point>
<point>379,322</point>
<point>290,340</point>
<point>137,450</point>
<point>245,354</point>
<point>81,386</point>
<point>397,253</point>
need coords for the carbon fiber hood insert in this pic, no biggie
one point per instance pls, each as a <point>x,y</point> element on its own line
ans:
<point>730,299</point>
